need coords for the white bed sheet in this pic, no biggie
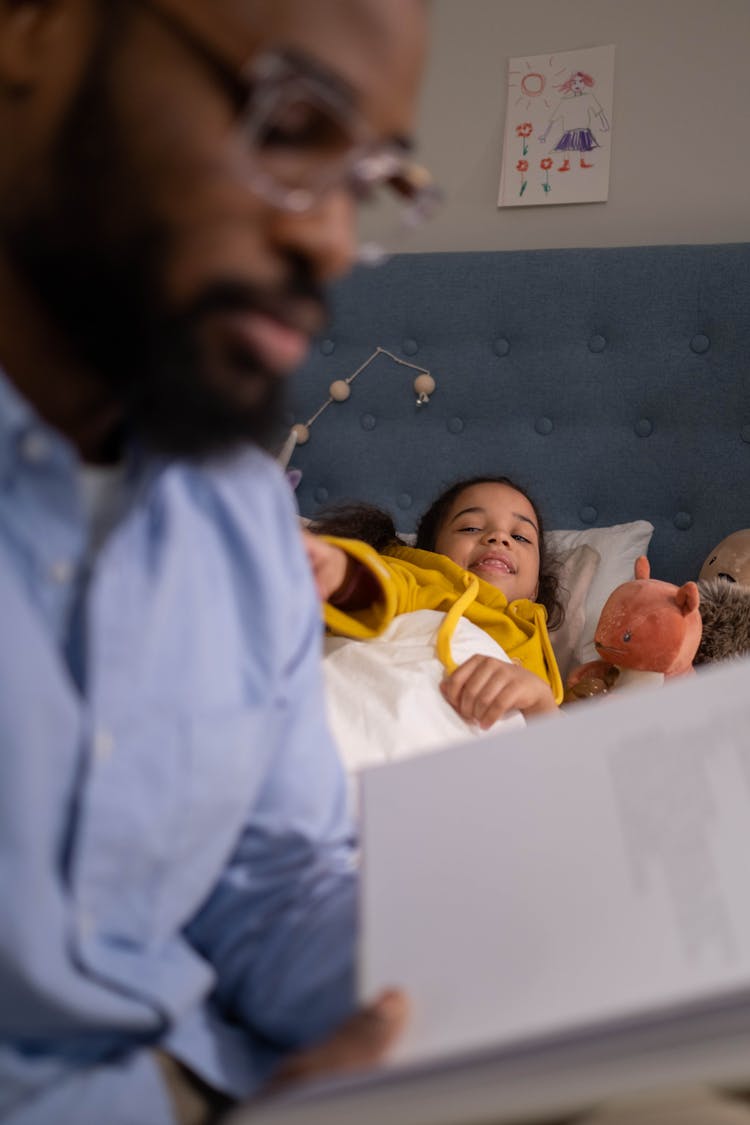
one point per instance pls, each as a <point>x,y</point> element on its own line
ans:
<point>384,699</point>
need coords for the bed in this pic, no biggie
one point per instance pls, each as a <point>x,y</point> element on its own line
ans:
<point>612,383</point>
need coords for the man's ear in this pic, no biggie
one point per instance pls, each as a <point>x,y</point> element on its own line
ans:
<point>25,30</point>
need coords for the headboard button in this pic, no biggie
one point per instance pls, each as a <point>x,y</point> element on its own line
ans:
<point>368,422</point>
<point>544,426</point>
<point>409,347</point>
<point>597,344</point>
<point>683,521</point>
<point>455,425</point>
<point>643,427</point>
<point>327,347</point>
<point>700,343</point>
<point>501,346</point>
<point>588,514</point>
<point>745,433</point>
<point>321,495</point>
<point>404,501</point>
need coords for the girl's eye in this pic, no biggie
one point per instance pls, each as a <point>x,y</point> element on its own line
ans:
<point>470,529</point>
<point>521,538</point>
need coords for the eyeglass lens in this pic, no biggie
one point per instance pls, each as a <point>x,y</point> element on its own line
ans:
<point>303,144</point>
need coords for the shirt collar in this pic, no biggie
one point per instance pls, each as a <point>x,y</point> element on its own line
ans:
<point>22,430</point>
<point>16,414</point>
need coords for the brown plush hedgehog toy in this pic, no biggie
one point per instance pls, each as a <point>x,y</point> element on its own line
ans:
<point>724,585</point>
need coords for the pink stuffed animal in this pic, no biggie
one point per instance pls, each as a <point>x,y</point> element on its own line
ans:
<point>646,627</point>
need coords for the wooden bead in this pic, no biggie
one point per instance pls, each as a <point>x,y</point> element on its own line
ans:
<point>340,390</point>
<point>302,433</point>
<point>424,384</point>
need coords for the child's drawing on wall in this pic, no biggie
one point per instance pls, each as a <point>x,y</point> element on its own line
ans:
<point>558,128</point>
<point>575,113</point>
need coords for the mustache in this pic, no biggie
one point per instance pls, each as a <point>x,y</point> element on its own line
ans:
<point>301,303</point>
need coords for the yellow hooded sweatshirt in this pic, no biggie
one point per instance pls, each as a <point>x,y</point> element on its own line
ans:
<point>410,579</point>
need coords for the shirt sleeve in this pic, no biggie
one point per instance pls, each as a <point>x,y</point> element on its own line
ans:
<point>280,926</point>
<point>392,583</point>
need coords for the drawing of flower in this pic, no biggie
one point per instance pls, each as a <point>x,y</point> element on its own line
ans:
<point>524,131</point>
<point>545,165</point>
<point>522,166</point>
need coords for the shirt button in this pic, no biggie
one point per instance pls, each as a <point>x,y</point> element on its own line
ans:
<point>34,447</point>
<point>104,744</point>
<point>61,571</point>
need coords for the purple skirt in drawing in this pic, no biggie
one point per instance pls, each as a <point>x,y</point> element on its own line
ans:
<point>577,140</point>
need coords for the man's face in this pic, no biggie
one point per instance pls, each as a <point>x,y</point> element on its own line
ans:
<point>135,225</point>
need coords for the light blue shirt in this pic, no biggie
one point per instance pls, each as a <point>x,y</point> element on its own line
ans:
<point>175,858</point>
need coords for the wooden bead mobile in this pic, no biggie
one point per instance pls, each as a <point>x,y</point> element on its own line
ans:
<point>340,390</point>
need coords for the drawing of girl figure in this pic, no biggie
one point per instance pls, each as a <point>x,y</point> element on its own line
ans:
<point>575,112</point>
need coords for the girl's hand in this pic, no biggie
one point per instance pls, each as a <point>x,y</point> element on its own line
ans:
<point>329,565</point>
<point>484,689</point>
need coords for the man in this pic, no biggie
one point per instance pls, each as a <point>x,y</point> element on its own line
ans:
<point>178,181</point>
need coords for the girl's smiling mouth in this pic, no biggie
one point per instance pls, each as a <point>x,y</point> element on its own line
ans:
<point>498,562</point>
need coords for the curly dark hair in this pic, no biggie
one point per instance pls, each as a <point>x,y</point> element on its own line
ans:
<point>358,521</point>
<point>375,526</point>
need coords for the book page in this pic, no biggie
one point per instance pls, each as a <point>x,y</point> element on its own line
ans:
<point>590,869</point>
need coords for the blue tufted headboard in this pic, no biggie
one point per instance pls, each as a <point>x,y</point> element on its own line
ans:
<point>613,383</point>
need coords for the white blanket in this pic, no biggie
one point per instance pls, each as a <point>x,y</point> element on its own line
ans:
<point>384,700</point>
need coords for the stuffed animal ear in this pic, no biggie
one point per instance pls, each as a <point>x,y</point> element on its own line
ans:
<point>687,598</point>
<point>642,567</point>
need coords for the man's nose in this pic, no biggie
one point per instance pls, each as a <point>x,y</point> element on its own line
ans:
<point>325,235</point>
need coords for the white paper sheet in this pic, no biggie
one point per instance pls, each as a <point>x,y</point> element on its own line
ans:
<point>558,128</point>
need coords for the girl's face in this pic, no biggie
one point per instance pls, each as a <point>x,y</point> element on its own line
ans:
<point>491,530</point>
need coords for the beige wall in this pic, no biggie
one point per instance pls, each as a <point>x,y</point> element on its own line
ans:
<point>681,146</point>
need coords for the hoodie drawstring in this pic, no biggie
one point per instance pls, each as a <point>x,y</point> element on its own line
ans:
<point>447,628</point>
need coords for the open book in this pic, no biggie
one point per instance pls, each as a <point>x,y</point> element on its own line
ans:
<point>568,909</point>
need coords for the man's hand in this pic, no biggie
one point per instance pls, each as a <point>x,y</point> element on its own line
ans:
<point>329,565</point>
<point>360,1042</point>
<point>484,689</point>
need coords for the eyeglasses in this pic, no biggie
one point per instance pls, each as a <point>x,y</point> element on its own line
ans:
<point>305,139</point>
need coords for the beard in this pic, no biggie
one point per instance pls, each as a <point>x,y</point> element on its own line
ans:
<point>85,246</point>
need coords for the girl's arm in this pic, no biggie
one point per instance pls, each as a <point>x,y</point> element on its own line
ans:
<point>599,111</point>
<point>553,118</point>
<point>360,592</point>
<point>340,579</point>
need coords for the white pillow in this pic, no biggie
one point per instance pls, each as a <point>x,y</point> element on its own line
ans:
<point>577,567</point>
<point>618,547</point>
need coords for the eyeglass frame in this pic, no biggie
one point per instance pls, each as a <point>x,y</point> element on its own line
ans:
<point>368,163</point>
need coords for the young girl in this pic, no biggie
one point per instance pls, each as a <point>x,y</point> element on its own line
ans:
<point>479,554</point>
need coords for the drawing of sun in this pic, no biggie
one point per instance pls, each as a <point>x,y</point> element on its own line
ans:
<point>533,83</point>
